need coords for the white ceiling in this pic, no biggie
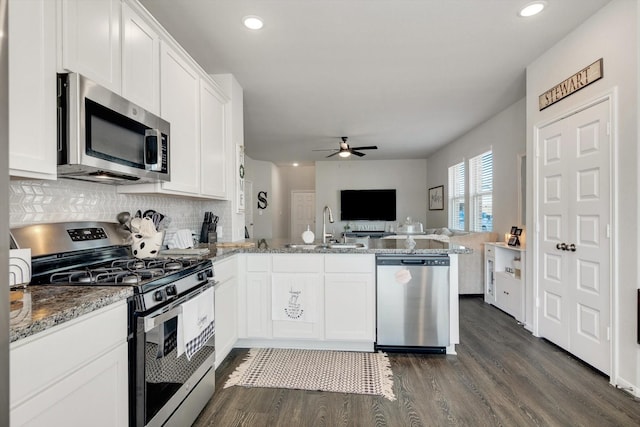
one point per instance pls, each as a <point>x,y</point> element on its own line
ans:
<point>406,75</point>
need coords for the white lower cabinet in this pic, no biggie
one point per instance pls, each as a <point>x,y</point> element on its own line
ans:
<point>349,301</point>
<point>349,297</point>
<point>296,296</point>
<point>74,374</point>
<point>334,294</point>
<point>226,307</point>
<point>254,297</point>
<point>505,285</point>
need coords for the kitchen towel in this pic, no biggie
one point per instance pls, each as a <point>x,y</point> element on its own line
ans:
<point>197,323</point>
<point>293,300</point>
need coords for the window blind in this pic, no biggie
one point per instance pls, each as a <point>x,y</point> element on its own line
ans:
<point>456,197</point>
<point>481,192</point>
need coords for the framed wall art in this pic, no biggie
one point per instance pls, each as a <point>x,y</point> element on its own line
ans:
<point>436,198</point>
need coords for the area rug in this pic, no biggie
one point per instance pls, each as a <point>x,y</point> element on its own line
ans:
<point>335,371</point>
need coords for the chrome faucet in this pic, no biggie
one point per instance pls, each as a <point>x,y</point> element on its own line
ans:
<point>324,223</point>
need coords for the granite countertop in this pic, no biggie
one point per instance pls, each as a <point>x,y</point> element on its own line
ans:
<point>375,246</point>
<point>40,307</point>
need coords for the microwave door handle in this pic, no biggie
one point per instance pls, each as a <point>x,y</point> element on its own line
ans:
<point>153,149</point>
<point>155,321</point>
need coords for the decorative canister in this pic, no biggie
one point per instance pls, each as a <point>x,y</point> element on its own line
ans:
<point>146,247</point>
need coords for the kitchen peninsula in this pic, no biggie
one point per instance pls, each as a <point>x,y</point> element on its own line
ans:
<point>82,300</point>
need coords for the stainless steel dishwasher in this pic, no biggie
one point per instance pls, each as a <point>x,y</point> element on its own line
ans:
<point>412,303</point>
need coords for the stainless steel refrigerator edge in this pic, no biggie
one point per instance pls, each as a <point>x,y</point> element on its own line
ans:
<point>413,303</point>
<point>4,217</point>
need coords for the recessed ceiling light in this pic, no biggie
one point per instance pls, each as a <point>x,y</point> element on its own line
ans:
<point>532,9</point>
<point>253,22</point>
<point>295,164</point>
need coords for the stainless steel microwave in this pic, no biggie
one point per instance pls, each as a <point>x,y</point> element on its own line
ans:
<point>102,137</point>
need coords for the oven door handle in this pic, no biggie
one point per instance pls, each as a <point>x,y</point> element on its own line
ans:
<point>155,321</point>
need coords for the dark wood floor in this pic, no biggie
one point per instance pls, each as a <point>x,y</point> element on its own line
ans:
<point>501,376</point>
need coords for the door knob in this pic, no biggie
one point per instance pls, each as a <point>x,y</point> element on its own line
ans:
<point>572,247</point>
<point>561,246</point>
<point>558,247</point>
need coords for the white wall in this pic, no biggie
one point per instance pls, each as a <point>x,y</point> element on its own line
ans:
<point>611,34</point>
<point>408,177</point>
<point>505,134</point>
<point>260,173</point>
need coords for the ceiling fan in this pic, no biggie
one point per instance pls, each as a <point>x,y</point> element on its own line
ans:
<point>345,150</point>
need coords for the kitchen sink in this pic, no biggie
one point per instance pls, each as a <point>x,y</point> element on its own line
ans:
<point>302,246</point>
<point>325,246</point>
<point>346,246</point>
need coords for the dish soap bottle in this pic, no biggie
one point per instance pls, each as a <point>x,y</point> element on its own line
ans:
<point>308,236</point>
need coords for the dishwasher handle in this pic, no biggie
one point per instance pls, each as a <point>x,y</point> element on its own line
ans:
<point>409,261</point>
<point>413,261</point>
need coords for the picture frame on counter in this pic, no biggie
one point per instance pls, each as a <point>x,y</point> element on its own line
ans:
<point>436,198</point>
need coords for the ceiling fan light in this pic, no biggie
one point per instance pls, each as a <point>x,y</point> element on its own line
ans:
<point>344,153</point>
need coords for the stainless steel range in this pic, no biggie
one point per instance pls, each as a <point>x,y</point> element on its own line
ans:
<point>167,385</point>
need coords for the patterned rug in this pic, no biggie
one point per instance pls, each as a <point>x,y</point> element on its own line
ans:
<point>336,371</point>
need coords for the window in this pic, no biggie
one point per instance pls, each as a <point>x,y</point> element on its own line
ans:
<point>481,192</point>
<point>456,196</point>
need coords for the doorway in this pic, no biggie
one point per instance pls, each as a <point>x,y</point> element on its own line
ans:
<point>573,206</point>
<point>303,213</point>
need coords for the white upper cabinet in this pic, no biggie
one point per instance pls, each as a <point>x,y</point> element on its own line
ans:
<point>91,40</point>
<point>213,142</point>
<point>179,104</point>
<point>32,89</point>
<point>140,61</point>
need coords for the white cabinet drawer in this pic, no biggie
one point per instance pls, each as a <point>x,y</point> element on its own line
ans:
<point>258,263</point>
<point>298,263</point>
<point>345,263</point>
<point>225,269</point>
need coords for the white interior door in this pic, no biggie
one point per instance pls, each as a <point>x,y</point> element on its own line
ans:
<point>574,248</point>
<point>303,212</point>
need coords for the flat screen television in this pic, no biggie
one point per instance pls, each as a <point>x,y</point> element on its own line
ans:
<point>368,205</point>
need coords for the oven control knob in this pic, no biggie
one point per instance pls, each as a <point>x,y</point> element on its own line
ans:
<point>158,295</point>
<point>203,275</point>
<point>171,290</point>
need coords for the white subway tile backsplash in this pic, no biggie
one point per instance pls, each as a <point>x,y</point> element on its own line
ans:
<point>32,202</point>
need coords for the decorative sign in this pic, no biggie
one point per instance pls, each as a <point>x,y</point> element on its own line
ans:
<point>579,80</point>
<point>240,178</point>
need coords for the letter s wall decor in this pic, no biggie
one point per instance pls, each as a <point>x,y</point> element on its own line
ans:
<point>262,200</point>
